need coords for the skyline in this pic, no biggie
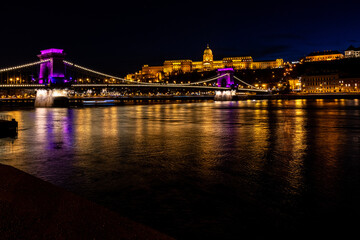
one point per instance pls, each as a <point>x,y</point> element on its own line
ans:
<point>121,40</point>
<point>220,136</point>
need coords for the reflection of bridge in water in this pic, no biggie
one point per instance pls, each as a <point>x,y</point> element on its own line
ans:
<point>55,72</point>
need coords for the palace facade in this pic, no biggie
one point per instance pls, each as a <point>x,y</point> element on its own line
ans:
<point>159,73</point>
<point>323,56</point>
<point>352,52</point>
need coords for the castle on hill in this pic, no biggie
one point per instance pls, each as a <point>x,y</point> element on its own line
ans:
<point>173,67</point>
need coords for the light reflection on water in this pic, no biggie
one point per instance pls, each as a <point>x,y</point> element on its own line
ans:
<point>205,169</point>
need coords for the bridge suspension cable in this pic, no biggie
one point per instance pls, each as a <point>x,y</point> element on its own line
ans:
<point>208,80</point>
<point>126,80</point>
<point>245,82</point>
<point>23,66</point>
<point>102,74</point>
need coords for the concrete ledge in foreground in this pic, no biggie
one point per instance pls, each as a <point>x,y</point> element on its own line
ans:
<point>34,209</point>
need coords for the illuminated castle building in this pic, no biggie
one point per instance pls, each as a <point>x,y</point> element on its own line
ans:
<point>352,52</point>
<point>323,56</point>
<point>170,67</point>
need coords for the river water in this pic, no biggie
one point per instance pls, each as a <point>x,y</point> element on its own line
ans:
<point>205,170</point>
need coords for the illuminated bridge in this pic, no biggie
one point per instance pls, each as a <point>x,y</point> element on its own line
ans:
<point>52,70</point>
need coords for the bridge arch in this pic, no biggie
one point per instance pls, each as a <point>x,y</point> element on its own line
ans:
<point>226,77</point>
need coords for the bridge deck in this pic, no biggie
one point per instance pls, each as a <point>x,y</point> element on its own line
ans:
<point>183,86</point>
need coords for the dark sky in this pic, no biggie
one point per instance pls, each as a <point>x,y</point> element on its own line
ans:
<point>119,37</point>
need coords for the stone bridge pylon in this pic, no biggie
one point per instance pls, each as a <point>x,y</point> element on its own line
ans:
<point>227,79</point>
<point>52,70</point>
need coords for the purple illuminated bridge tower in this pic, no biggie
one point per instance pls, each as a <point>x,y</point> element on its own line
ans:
<point>228,77</point>
<point>53,70</point>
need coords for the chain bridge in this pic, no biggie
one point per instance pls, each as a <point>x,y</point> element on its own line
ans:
<point>54,71</point>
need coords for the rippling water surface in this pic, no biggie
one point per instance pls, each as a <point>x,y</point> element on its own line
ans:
<point>203,169</point>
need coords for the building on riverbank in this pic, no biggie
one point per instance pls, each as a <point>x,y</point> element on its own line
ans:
<point>294,85</point>
<point>352,52</point>
<point>329,83</point>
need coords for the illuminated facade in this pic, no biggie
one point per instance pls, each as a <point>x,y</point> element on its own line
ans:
<point>329,83</point>
<point>323,56</point>
<point>153,72</point>
<point>240,63</point>
<point>295,84</point>
<point>170,67</point>
<point>352,52</point>
<point>208,59</point>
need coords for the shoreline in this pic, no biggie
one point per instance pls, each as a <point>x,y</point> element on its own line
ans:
<point>35,209</point>
<point>15,103</point>
<point>298,96</point>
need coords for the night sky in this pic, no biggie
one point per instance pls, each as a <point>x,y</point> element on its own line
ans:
<point>118,38</point>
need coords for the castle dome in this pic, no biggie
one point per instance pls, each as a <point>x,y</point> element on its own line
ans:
<point>208,51</point>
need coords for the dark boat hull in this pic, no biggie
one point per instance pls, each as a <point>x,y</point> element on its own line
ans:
<point>8,128</point>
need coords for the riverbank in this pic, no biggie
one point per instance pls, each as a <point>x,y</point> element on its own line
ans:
<point>14,103</point>
<point>34,209</point>
<point>296,96</point>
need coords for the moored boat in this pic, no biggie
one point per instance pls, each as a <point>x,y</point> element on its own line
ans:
<point>8,126</point>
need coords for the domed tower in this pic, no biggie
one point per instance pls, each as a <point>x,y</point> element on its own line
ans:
<point>208,58</point>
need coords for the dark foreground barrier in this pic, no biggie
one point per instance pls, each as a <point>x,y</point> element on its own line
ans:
<point>34,209</point>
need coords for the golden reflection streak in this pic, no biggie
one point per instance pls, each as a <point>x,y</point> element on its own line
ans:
<point>84,130</point>
<point>258,134</point>
<point>140,125</point>
<point>288,128</point>
<point>109,127</point>
<point>329,142</point>
<point>41,123</point>
<point>208,124</point>
<point>297,146</point>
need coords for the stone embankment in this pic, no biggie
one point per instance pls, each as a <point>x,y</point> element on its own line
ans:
<point>34,209</point>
